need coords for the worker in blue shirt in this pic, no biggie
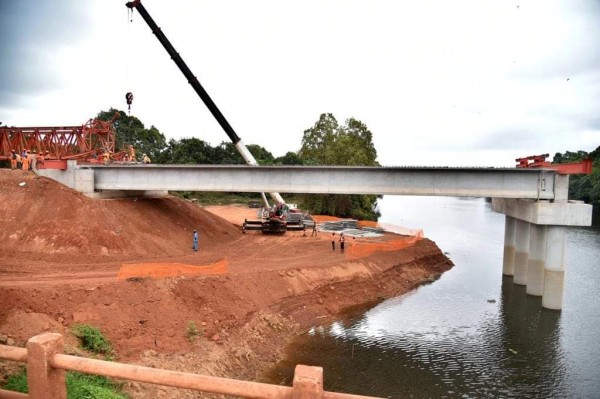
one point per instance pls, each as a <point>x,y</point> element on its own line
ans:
<point>195,247</point>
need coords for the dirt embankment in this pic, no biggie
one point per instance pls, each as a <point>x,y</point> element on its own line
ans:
<point>61,253</point>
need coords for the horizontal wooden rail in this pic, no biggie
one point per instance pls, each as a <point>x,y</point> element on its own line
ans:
<point>13,353</point>
<point>45,372</point>
<point>4,394</point>
<point>176,379</point>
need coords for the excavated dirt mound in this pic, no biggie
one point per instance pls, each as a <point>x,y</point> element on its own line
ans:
<point>61,254</point>
<point>42,216</point>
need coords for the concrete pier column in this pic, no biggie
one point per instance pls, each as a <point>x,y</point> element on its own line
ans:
<point>554,275</point>
<point>510,230</point>
<point>537,260</point>
<point>521,252</point>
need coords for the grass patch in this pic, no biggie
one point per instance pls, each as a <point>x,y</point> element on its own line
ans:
<point>79,386</point>
<point>92,340</point>
<point>17,382</point>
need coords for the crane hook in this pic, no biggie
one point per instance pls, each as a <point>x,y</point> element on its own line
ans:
<point>129,98</point>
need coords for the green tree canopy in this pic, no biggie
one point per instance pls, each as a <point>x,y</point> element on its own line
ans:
<point>328,143</point>
<point>290,158</point>
<point>130,130</point>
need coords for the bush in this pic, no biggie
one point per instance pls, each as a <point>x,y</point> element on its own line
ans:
<point>92,339</point>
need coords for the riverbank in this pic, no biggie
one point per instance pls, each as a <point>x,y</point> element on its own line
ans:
<point>265,291</point>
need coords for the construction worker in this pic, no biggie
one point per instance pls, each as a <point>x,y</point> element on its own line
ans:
<point>33,160</point>
<point>18,161</point>
<point>40,159</point>
<point>13,159</point>
<point>25,161</point>
<point>195,244</point>
<point>342,241</point>
<point>106,156</point>
<point>145,159</point>
<point>131,153</point>
<point>333,241</point>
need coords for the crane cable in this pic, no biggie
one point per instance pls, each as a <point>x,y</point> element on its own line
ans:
<point>129,94</point>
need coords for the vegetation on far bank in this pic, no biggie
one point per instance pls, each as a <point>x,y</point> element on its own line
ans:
<point>583,187</point>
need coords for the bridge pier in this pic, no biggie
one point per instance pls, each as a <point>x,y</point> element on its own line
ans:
<point>521,252</point>
<point>554,273</point>
<point>534,241</point>
<point>537,260</point>
<point>510,232</point>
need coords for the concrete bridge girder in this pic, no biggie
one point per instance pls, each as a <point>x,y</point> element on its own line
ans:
<point>487,182</point>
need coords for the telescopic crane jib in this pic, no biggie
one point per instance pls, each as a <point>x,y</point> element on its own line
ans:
<point>193,81</point>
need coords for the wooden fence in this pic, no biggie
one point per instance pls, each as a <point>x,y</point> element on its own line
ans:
<point>46,366</point>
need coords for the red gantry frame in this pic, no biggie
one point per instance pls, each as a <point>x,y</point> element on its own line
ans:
<point>539,161</point>
<point>85,143</point>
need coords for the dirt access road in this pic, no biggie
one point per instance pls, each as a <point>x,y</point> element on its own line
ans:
<point>61,255</point>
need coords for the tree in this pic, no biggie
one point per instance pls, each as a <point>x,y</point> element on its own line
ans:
<point>290,158</point>
<point>188,151</point>
<point>328,143</point>
<point>130,130</point>
<point>262,156</point>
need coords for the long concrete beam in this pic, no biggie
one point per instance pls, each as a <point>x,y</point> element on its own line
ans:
<point>462,182</point>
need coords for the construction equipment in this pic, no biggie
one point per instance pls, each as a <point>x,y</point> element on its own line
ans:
<point>539,161</point>
<point>279,219</point>
<point>193,81</point>
<point>86,142</point>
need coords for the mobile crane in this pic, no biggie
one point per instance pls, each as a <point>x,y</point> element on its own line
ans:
<point>193,81</point>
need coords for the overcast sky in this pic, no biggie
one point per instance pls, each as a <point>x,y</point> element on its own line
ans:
<point>444,83</point>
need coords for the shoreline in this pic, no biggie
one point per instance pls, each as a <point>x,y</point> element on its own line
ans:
<point>250,350</point>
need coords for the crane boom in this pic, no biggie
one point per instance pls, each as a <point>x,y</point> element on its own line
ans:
<point>193,81</point>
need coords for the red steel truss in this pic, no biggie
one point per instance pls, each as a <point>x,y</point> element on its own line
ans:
<point>539,161</point>
<point>67,142</point>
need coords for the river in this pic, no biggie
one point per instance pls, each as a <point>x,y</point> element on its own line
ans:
<point>472,333</point>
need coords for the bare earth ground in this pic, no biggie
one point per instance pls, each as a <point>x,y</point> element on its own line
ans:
<point>60,253</point>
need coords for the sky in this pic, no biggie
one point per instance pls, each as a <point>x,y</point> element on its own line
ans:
<point>438,83</point>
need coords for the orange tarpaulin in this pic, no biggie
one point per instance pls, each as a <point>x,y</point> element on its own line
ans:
<point>362,249</point>
<point>161,270</point>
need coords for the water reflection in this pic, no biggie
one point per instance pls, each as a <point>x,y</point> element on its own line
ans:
<point>514,352</point>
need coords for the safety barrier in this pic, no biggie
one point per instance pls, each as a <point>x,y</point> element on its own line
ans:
<point>46,367</point>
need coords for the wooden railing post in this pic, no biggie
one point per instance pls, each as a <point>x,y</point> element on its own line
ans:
<point>44,380</point>
<point>308,382</point>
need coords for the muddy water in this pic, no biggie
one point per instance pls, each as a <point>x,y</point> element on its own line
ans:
<point>472,333</point>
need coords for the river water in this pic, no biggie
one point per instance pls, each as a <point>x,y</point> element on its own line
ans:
<point>472,333</point>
